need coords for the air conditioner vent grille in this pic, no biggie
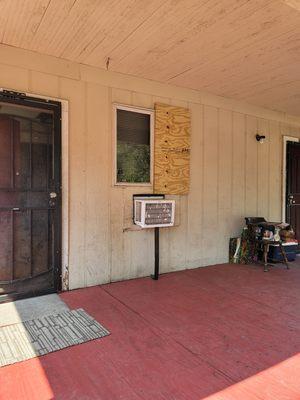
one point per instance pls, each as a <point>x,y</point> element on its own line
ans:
<point>154,213</point>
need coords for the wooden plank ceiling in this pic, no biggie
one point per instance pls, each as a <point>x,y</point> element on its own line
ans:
<point>243,49</point>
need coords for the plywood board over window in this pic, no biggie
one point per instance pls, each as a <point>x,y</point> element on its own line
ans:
<point>171,149</point>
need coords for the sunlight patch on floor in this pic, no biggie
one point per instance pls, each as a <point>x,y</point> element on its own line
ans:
<point>29,309</point>
<point>281,379</point>
<point>23,390</point>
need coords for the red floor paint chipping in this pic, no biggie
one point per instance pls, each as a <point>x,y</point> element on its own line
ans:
<point>217,333</point>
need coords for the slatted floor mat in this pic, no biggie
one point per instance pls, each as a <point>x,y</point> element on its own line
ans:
<point>44,335</point>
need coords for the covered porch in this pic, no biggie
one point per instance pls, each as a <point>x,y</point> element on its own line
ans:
<point>196,102</point>
<point>218,333</point>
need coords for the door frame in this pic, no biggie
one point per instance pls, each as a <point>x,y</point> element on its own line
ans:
<point>63,276</point>
<point>286,139</point>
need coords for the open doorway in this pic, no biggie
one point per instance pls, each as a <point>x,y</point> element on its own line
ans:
<point>30,196</point>
<point>292,184</point>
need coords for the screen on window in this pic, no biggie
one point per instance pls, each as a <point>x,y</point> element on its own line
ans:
<point>133,147</point>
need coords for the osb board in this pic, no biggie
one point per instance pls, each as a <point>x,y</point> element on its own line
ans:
<point>171,149</point>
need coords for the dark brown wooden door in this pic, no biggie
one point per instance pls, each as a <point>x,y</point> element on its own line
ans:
<point>29,200</point>
<point>293,186</point>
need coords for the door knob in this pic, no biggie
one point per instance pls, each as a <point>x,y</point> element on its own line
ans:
<point>53,195</point>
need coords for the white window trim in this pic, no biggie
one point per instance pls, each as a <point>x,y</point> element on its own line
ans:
<point>286,139</point>
<point>141,110</point>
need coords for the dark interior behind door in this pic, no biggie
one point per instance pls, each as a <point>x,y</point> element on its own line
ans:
<point>293,187</point>
<point>30,197</point>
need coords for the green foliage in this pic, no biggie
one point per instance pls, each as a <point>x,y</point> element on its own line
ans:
<point>133,163</point>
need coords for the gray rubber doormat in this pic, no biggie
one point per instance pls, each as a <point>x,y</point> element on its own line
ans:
<point>44,335</point>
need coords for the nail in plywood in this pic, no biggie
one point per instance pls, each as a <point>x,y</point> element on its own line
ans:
<point>171,149</point>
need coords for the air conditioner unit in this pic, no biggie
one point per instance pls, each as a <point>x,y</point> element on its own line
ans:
<point>151,213</point>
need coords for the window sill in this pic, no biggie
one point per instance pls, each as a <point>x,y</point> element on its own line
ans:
<point>125,184</point>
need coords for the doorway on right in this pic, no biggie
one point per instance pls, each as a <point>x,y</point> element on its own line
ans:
<point>293,186</point>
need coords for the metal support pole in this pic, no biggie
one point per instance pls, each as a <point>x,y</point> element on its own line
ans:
<point>156,254</point>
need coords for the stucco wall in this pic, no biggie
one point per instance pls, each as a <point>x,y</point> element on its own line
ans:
<point>231,174</point>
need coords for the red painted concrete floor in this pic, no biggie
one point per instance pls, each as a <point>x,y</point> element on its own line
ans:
<point>218,333</point>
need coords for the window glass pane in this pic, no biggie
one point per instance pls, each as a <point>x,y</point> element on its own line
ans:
<point>133,147</point>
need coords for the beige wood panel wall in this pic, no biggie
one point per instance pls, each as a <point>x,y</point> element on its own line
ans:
<point>231,175</point>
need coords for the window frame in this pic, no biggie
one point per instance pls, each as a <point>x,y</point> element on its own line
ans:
<point>141,110</point>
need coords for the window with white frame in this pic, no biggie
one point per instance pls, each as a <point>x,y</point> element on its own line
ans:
<point>133,145</point>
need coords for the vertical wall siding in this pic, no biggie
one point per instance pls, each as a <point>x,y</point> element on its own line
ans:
<point>231,176</point>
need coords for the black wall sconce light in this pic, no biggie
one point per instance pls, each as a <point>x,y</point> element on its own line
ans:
<point>260,138</point>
